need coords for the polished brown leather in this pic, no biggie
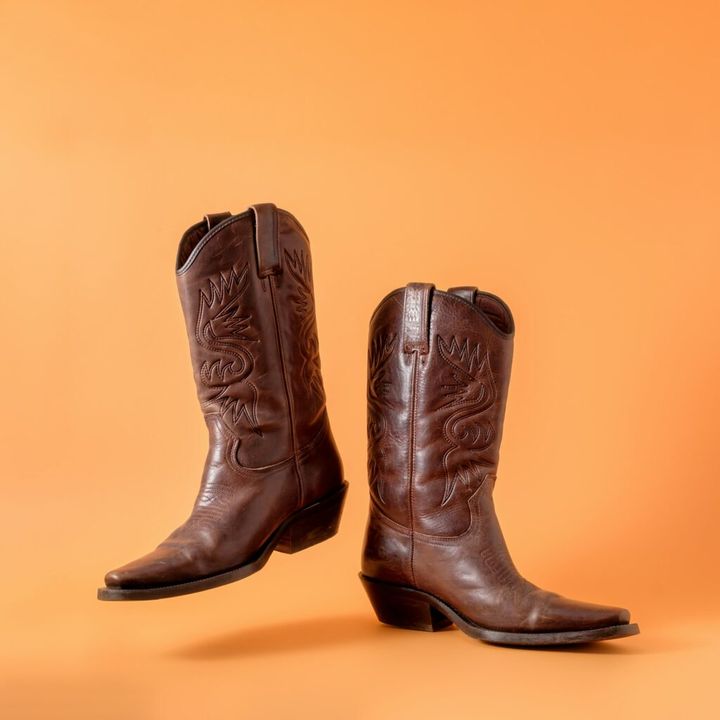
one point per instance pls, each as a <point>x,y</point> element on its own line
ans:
<point>439,368</point>
<point>246,289</point>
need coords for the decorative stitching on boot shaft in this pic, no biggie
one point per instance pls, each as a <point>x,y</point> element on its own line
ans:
<point>380,351</point>
<point>470,393</point>
<point>299,267</point>
<point>224,329</point>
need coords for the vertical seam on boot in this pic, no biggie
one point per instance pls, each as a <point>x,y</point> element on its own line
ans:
<point>288,396</point>
<point>411,462</point>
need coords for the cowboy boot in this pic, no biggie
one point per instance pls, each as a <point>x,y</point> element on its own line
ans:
<point>439,367</point>
<point>272,479</point>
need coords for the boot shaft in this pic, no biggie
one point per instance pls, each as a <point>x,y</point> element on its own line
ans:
<point>246,288</point>
<point>438,374</point>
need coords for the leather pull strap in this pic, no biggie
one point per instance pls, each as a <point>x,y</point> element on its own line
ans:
<point>416,318</point>
<point>466,292</point>
<point>266,239</point>
<point>213,219</point>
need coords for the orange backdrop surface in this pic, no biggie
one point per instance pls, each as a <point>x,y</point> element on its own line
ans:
<point>564,155</point>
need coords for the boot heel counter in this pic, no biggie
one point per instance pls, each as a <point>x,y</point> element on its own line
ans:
<point>314,524</point>
<point>387,550</point>
<point>402,607</point>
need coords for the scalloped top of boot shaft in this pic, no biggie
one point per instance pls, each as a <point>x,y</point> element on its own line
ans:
<point>197,236</point>
<point>494,311</point>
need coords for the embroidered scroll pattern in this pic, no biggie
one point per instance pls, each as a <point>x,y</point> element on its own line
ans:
<point>381,349</point>
<point>470,392</point>
<point>298,264</point>
<point>224,329</point>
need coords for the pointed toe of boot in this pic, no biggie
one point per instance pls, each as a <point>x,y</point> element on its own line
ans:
<point>161,567</point>
<point>145,572</point>
<point>137,574</point>
<point>621,615</point>
<point>115,578</point>
<point>561,614</point>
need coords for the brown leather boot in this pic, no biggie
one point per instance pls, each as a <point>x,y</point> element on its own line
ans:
<point>439,368</point>
<point>273,479</point>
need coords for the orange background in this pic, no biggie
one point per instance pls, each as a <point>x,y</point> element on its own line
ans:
<point>563,155</point>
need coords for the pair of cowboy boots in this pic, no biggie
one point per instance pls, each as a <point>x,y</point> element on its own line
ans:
<point>439,368</point>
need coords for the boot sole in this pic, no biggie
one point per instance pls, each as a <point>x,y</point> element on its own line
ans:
<point>412,609</point>
<point>303,529</point>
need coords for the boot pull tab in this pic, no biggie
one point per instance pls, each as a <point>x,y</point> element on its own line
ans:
<point>416,318</point>
<point>466,292</point>
<point>266,239</point>
<point>213,219</point>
